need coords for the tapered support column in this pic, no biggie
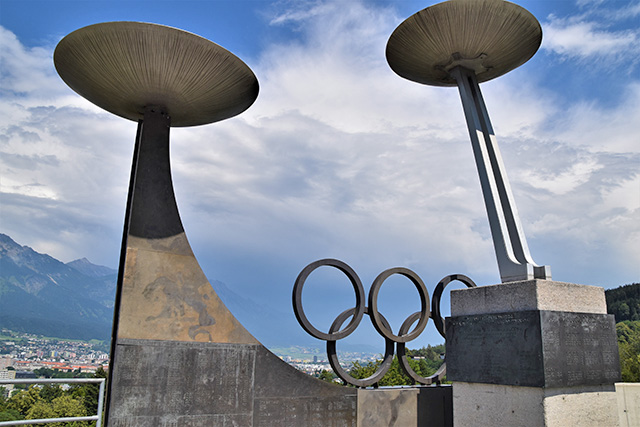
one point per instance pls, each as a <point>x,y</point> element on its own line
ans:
<point>154,212</point>
<point>165,307</point>
<point>514,260</point>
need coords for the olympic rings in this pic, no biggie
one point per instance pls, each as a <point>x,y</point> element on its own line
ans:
<point>380,323</point>
<point>297,300</point>
<point>424,302</point>
<point>437,294</point>
<point>333,356</point>
<point>437,377</point>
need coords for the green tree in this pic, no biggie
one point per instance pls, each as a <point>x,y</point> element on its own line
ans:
<point>624,302</point>
<point>623,310</point>
<point>48,392</point>
<point>10,415</point>
<point>40,409</point>
<point>7,414</point>
<point>43,372</point>
<point>430,354</point>
<point>395,375</point>
<point>23,400</point>
<point>92,393</point>
<point>61,407</point>
<point>50,401</point>
<point>629,347</point>
<point>327,376</point>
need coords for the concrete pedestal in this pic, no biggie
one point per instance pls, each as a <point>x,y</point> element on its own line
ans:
<point>532,353</point>
<point>405,407</point>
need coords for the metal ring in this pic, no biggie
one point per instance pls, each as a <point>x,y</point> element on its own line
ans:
<point>378,320</point>
<point>404,362</point>
<point>376,317</point>
<point>357,287</point>
<point>335,364</point>
<point>437,295</point>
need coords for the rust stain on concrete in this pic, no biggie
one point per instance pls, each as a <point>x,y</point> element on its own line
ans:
<point>166,296</point>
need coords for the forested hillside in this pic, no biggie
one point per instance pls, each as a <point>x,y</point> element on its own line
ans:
<point>629,347</point>
<point>624,302</point>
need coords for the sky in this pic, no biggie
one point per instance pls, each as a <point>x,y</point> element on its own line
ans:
<point>338,157</point>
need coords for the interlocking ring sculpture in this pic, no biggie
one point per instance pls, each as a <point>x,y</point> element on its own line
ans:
<point>379,322</point>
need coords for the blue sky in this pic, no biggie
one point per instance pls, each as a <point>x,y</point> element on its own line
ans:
<point>339,157</point>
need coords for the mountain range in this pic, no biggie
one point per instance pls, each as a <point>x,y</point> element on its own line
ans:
<point>41,295</point>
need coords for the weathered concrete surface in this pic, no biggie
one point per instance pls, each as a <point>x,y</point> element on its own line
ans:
<point>504,405</point>
<point>160,383</point>
<point>528,295</point>
<point>533,348</point>
<point>388,407</point>
<point>160,379</point>
<point>477,404</point>
<point>415,406</point>
<point>166,296</point>
<point>581,406</point>
<point>284,396</point>
<point>628,395</point>
<point>180,358</point>
<point>533,353</point>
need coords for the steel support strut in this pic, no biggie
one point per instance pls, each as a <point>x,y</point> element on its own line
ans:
<point>514,260</point>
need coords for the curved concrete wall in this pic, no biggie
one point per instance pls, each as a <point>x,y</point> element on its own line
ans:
<point>179,356</point>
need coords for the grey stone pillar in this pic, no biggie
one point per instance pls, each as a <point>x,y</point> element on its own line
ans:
<point>532,353</point>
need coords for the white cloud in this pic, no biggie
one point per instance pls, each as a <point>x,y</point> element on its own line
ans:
<point>604,34</point>
<point>339,157</point>
<point>604,128</point>
<point>562,182</point>
<point>63,169</point>
<point>618,11</point>
<point>292,12</point>
<point>585,39</point>
<point>589,3</point>
<point>27,72</point>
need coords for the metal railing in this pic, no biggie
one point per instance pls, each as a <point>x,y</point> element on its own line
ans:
<point>97,418</point>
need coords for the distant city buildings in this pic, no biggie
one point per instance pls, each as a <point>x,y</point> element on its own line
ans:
<point>7,374</point>
<point>22,353</point>
<point>312,364</point>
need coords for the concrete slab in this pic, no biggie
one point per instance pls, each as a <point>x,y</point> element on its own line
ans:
<point>628,395</point>
<point>528,295</point>
<point>388,407</point>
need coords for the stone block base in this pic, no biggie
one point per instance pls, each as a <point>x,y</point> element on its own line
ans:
<point>388,407</point>
<point>503,405</point>
<point>532,353</point>
<point>403,407</point>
